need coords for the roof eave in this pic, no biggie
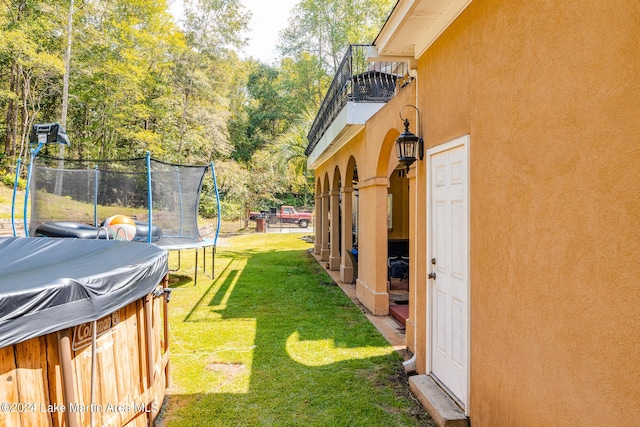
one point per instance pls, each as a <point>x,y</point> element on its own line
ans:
<point>414,25</point>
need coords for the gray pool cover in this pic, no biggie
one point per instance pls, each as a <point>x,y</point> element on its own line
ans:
<point>49,284</point>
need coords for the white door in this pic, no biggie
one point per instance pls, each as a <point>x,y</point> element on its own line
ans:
<point>449,248</point>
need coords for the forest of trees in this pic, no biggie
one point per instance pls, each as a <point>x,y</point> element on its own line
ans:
<point>123,77</point>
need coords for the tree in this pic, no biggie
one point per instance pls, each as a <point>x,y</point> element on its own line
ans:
<point>303,82</point>
<point>264,114</point>
<point>212,29</point>
<point>29,42</point>
<point>313,45</point>
<point>289,152</point>
<point>324,28</point>
<point>123,55</point>
<point>137,82</point>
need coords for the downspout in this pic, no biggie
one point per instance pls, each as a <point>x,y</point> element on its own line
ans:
<point>410,365</point>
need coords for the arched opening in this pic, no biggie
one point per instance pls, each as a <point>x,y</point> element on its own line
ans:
<point>335,221</point>
<point>398,233</point>
<point>318,223</point>
<point>326,189</point>
<point>349,223</point>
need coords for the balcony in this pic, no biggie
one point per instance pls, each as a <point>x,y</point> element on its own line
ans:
<point>358,90</point>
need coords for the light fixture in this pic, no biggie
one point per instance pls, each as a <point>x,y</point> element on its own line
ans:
<point>48,133</point>
<point>409,146</point>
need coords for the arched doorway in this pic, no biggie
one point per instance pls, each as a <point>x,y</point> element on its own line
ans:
<point>349,222</point>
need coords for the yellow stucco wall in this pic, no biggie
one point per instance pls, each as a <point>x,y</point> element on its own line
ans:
<point>399,190</point>
<point>549,93</point>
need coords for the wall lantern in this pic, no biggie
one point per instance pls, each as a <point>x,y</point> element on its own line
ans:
<point>409,146</point>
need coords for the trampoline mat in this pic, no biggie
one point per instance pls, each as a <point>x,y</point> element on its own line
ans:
<point>183,243</point>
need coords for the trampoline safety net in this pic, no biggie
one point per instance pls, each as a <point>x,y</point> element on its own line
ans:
<point>90,191</point>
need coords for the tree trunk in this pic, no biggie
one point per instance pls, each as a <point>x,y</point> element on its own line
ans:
<point>12,112</point>
<point>65,97</point>
<point>183,124</point>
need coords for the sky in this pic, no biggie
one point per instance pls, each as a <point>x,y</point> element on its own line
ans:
<point>268,18</point>
<point>266,22</point>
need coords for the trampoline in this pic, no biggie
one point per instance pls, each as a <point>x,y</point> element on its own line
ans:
<point>72,198</point>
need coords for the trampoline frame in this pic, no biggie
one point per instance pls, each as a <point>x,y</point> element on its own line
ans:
<point>194,244</point>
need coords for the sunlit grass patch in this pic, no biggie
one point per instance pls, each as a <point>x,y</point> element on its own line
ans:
<point>267,342</point>
<point>325,352</point>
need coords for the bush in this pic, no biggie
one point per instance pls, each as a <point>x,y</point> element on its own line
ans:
<point>229,211</point>
<point>9,179</point>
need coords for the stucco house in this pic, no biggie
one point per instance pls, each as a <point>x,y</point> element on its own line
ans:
<point>521,216</point>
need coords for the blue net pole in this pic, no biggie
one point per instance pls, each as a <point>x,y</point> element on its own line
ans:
<point>149,198</point>
<point>95,197</point>
<point>13,200</point>
<point>181,203</point>
<point>215,186</point>
<point>26,193</point>
<point>34,154</point>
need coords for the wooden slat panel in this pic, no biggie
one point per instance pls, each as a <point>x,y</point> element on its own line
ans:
<point>54,378</point>
<point>106,377</point>
<point>8,386</point>
<point>32,381</point>
<point>133,348</point>
<point>81,363</point>
<point>125,379</point>
<point>142,345</point>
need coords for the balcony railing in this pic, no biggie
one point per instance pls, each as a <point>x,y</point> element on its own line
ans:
<point>356,80</point>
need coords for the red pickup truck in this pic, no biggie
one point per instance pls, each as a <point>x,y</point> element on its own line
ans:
<point>285,214</point>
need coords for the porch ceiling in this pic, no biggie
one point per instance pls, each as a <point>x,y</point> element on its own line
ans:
<point>346,125</point>
<point>414,25</point>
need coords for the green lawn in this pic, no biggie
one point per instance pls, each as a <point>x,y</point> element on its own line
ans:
<point>272,342</point>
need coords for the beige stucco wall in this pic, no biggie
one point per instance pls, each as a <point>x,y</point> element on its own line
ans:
<point>549,93</point>
<point>399,189</point>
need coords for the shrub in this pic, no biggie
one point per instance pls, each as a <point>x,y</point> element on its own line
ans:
<point>9,179</point>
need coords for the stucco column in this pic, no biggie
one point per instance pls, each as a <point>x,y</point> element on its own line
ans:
<point>371,286</point>
<point>346,269</point>
<point>318,226</point>
<point>324,250</point>
<point>334,247</point>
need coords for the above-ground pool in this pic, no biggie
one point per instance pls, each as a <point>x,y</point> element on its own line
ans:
<point>83,332</point>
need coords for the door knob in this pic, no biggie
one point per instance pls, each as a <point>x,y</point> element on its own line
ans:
<point>432,275</point>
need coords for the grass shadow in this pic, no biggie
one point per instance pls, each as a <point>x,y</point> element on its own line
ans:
<point>222,292</point>
<point>273,338</point>
<point>179,280</point>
